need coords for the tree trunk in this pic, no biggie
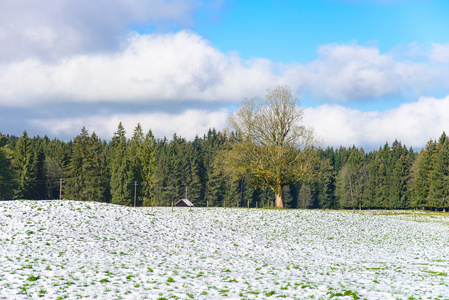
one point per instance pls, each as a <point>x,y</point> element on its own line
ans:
<point>279,203</point>
<point>278,193</point>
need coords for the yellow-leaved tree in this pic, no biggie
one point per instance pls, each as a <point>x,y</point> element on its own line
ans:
<point>270,146</point>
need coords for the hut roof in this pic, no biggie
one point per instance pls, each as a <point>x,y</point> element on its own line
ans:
<point>183,202</point>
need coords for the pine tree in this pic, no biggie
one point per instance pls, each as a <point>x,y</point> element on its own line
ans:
<point>136,163</point>
<point>94,168</point>
<point>287,196</point>
<point>40,189</point>
<point>423,169</point>
<point>265,197</point>
<point>121,185</point>
<point>377,189</point>
<point>192,176</point>
<point>162,174</point>
<point>439,175</point>
<point>56,161</point>
<point>246,193</point>
<point>75,183</point>
<point>212,172</point>
<point>325,184</point>
<point>6,170</point>
<point>148,157</point>
<point>398,183</point>
<point>25,167</point>
<point>231,197</point>
<point>353,181</point>
<point>305,197</point>
<point>175,184</point>
<point>87,177</point>
<point>213,190</point>
<point>198,145</point>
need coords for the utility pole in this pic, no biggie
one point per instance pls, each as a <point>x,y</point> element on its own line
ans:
<point>60,188</point>
<point>135,192</point>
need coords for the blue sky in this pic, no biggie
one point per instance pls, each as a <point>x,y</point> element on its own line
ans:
<point>366,71</point>
<point>291,31</point>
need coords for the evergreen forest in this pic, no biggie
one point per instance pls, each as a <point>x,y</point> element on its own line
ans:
<point>145,171</point>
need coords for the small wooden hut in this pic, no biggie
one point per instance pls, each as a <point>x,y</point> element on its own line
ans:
<point>184,203</point>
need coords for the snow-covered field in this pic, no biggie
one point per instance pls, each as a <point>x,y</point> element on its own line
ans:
<point>69,249</point>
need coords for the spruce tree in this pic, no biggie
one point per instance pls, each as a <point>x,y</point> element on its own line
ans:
<point>212,173</point>
<point>162,173</point>
<point>56,162</point>
<point>24,166</point>
<point>422,172</point>
<point>305,197</point>
<point>352,182</point>
<point>399,197</point>
<point>231,197</point>
<point>86,173</point>
<point>439,175</point>
<point>148,157</point>
<point>378,186</point>
<point>6,171</point>
<point>94,168</point>
<point>399,163</point>
<point>287,196</point>
<point>213,189</point>
<point>75,183</point>
<point>136,163</point>
<point>40,190</point>
<point>246,193</point>
<point>192,176</point>
<point>326,186</point>
<point>121,185</point>
<point>175,187</point>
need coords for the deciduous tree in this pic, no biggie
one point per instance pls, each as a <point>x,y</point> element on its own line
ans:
<point>271,146</point>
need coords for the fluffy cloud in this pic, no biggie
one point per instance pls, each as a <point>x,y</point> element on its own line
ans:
<point>411,123</point>
<point>187,124</point>
<point>50,29</point>
<point>184,66</point>
<point>353,73</point>
<point>440,53</point>
<point>181,66</point>
<point>414,124</point>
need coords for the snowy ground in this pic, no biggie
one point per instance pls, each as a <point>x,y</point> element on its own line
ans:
<point>69,249</point>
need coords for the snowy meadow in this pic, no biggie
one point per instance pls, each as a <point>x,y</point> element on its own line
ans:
<point>71,249</point>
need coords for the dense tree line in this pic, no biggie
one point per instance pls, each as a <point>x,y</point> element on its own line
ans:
<point>154,171</point>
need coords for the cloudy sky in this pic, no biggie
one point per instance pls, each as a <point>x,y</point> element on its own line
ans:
<point>366,71</point>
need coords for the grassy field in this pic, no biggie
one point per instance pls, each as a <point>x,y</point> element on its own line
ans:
<point>70,249</point>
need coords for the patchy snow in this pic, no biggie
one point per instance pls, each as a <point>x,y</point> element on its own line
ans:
<point>76,249</point>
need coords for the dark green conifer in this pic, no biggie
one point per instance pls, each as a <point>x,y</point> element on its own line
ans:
<point>24,166</point>
<point>6,170</point>
<point>121,185</point>
<point>423,169</point>
<point>439,175</point>
<point>149,168</point>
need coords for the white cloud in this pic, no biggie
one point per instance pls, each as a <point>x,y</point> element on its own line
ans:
<point>414,124</point>
<point>440,53</point>
<point>59,52</point>
<point>352,72</point>
<point>181,66</point>
<point>57,28</point>
<point>187,124</point>
<point>184,66</point>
